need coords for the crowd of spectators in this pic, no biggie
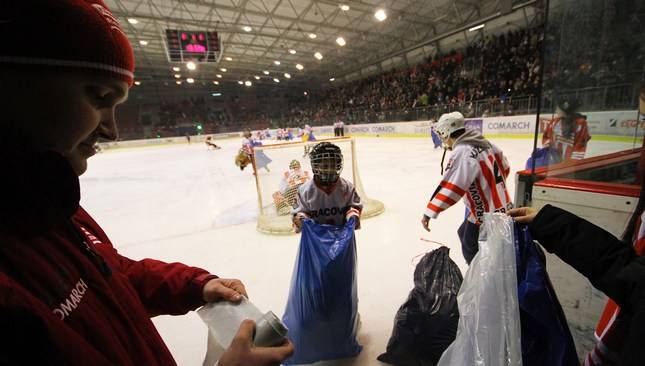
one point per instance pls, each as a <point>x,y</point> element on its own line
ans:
<point>495,69</point>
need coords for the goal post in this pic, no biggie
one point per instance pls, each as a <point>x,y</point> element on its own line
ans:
<point>276,188</point>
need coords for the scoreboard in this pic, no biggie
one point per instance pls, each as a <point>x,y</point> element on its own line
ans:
<point>198,46</point>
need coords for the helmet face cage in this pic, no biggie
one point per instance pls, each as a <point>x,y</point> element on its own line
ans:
<point>294,164</point>
<point>326,162</point>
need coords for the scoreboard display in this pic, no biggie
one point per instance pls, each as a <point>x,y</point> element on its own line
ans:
<point>198,46</point>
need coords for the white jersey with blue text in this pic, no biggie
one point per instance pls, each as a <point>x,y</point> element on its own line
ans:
<point>328,207</point>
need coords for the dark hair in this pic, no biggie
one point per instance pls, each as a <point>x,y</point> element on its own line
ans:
<point>458,133</point>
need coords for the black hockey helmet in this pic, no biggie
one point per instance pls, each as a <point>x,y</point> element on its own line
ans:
<point>326,162</point>
<point>568,104</point>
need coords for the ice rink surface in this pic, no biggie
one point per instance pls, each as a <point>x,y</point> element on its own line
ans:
<point>184,203</point>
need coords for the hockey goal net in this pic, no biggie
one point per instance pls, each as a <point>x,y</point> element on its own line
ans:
<point>277,187</point>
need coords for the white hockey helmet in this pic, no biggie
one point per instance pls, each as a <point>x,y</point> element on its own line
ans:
<point>447,124</point>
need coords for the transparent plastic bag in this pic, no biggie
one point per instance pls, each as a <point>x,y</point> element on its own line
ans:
<point>488,333</point>
<point>223,319</point>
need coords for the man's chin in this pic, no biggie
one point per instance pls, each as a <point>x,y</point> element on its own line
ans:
<point>79,165</point>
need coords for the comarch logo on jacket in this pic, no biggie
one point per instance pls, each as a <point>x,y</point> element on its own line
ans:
<point>73,299</point>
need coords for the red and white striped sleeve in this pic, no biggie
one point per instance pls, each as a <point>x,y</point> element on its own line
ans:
<point>459,175</point>
<point>580,140</point>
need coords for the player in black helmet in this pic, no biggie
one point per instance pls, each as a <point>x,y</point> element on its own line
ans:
<point>328,198</point>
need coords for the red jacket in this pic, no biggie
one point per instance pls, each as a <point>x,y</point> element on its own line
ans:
<point>67,296</point>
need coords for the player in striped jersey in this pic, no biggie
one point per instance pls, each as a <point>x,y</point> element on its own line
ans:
<point>477,170</point>
<point>328,198</point>
<point>567,134</point>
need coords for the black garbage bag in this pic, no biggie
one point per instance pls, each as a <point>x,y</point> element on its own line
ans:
<point>426,324</point>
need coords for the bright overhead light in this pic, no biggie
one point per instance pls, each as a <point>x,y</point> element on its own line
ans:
<point>276,62</point>
<point>137,83</point>
<point>305,93</point>
<point>344,7</point>
<point>380,15</point>
<point>341,41</point>
<point>476,27</point>
<point>219,76</point>
<point>132,21</point>
<point>191,65</point>
<point>217,94</point>
<point>175,69</point>
<point>240,82</point>
<point>248,83</point>
<point>247,28</point>
<point>287,75</point>
<point>190,80</point>
<point>265,72</point>
<point>312,35</point>
<point>228,58</point>
<point>299,67</point>
<point>222,69</point>
<point>178,82</point>
<point>332,79</point>
<point>215,82</point>
<point>177,76</point>
<point>276,80</point>
<point>292,51</point>
<point>257,77</point>
<point>318,55</point>
<point>143,42</point>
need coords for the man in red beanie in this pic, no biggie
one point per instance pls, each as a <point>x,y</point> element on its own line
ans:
<point>66,296</point>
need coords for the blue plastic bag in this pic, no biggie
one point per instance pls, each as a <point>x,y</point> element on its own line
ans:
<point>546,339</point>
<point>322,308</point>
<point>543,157</point>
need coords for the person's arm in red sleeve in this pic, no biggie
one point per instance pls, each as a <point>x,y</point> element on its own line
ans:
<point>166,288</point>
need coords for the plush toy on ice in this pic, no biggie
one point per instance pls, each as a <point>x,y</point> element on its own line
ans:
<point>322,309</point>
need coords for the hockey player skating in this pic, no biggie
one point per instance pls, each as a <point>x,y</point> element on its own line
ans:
<point>477,169</point>
<point>210,144</point>
<point>328,198</point>
<point>567,134</point>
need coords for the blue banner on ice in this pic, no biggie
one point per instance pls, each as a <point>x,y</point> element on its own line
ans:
<point>546,339</point>
<point>321,312</point>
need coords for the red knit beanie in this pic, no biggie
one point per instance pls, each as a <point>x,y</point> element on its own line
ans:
<point>81,34</point>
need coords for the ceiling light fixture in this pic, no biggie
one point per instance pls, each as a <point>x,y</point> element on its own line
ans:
<point>247,28</point>
<point>341,41</point>
<point>476,27</point>
<point>276,62</point>
<point>191,65</point>
<point>222,69</point>
<point>380,15</point>
<point>133,21</point>
<point>287,75</point>
<point>318,55</point>
<point>228,58</point>
<point>248,83</point>
<point>292,51</point>
<point>190,80</point>
<point>276,80</point>
<point>257,77</point>
<point>176,69</point>
<point>265,72</point>
<point>143,42</point>
<point>312,35</point>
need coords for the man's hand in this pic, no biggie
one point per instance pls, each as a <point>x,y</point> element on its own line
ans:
<point>523,214</point>
<point>242,352</point>
<point>219,289</point>
<point>425,221</point>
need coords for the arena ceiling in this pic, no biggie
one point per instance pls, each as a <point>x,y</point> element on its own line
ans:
<point>255,34</point>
